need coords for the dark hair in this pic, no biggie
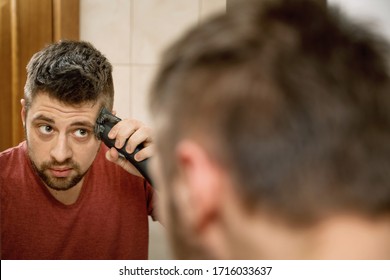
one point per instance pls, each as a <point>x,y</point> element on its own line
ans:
<point>292,98</point>
<point>72,72</point>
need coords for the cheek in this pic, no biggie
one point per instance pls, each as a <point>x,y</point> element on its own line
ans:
<point>84,155</point>
<point>38,151</point>
<point>175,207</point>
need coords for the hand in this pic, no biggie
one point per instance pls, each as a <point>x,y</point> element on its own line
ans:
<point>137,133</point>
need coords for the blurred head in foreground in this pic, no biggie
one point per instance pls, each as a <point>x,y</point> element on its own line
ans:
<point>273,136</point>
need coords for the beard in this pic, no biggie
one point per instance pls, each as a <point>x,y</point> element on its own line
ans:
<point>55,183</point>
<point>59,183</point>
<point>184,244</point>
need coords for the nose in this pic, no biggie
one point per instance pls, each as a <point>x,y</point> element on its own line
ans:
<point>61,150</point>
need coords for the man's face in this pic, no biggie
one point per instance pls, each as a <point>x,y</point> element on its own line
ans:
<point>60,139</point>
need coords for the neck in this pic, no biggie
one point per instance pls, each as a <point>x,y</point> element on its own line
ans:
<point>338,237</point>
<point>67,197</point>
<point>353,237</point>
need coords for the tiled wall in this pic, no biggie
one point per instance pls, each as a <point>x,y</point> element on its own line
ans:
<point>132,34</point>
<point>374,13</point>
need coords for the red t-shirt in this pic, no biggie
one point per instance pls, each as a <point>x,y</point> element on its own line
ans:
<point>108,221</point>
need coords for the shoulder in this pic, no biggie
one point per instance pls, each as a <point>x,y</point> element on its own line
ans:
<point>12,158</point>
<point>13,171</point>
<point>114,173</point>
<point>115,181</point>
<point>14,151</point>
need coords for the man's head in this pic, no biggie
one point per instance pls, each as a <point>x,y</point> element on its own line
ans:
<point>278,110</point>
<point>73,72</point>
<point>67,84</point>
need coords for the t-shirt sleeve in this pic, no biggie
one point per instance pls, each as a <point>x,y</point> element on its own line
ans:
<point>151,199</point>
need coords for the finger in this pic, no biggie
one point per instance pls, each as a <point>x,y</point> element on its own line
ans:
<point>116,128</point>
<point>123,130</point>
<point>113,156</point>
<point>145,153</point>
<point>126,128</point>
<point>142,135</point>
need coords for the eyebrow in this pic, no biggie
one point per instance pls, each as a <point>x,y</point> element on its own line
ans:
<point>43,118</point>
<point>83,123</point>
<point>51,121</point>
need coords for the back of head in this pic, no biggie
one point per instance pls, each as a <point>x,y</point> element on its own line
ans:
<point>293,99</point>
<point>73,72</point>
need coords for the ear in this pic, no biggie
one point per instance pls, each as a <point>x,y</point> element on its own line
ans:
<point>23,111</point>
<point>202,178</point>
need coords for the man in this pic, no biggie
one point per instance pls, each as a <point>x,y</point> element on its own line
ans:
<point>272,136</point>
<point>60,197</point>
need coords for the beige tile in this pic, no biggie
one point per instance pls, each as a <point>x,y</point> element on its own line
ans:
<point>373,14</point>
<point>106,24</point>
<point>122,99</point>
<point>157,23</point>
<point>211,7</point>
<point>141,77</point>
<point>159,248</point>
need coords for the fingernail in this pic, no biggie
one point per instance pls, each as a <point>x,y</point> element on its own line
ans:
<point>118,143</point>
<point>128,150</point>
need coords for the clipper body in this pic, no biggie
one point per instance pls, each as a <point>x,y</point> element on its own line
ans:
<point>104,123</point>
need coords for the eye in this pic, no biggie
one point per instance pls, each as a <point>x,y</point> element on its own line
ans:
<point>81,133</point>
<point>45,129</point>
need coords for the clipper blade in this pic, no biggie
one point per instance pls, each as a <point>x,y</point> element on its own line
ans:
<point>101,119</point>
<point>105,118</point>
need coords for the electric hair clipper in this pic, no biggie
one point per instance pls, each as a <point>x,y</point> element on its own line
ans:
<point>105,121</point>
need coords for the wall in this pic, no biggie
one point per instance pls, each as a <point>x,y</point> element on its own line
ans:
<point>25,28</point>
<point>375,13</point>
<point>132,34</point>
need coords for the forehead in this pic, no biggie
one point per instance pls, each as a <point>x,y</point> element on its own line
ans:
<point>45,105</point>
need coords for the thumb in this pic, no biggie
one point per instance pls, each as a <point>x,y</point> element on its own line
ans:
<point>113,156</point>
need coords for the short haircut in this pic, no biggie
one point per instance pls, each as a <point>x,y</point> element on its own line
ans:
<point>73,72</point>
<point>292,98</point>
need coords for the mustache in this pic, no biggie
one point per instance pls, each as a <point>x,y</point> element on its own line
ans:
<point>67,163</point>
